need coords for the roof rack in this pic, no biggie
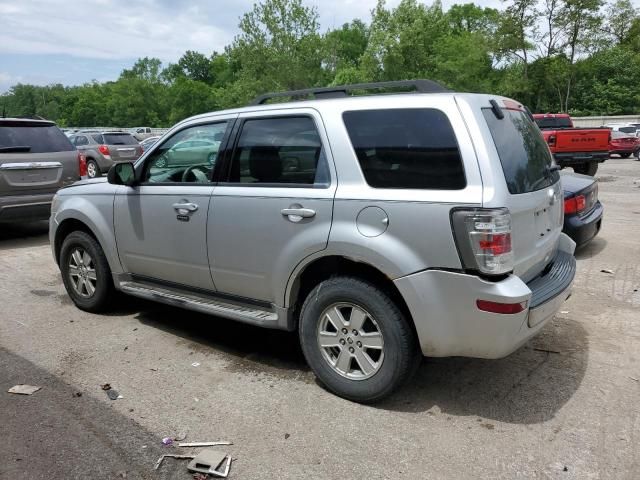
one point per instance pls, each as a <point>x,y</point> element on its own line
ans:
<point>340,91</point>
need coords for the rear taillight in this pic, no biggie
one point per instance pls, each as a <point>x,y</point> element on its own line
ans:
<point>103,149</point>
<point>82,165</point>
<point>498,307</point>
<point>575,204</point>
<point>551,140</point>
<point>483,237</point>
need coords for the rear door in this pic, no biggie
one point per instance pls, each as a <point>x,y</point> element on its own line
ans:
<point>35,157</point>
<point>274,205</point>
<point>122,146</point>
<point>535,194</point>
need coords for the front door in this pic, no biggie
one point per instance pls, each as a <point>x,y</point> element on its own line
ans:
<point>161,224</point>
<point>273,206</point>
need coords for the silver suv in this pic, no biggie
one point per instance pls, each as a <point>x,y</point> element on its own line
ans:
<point>104,149</point>
<point>380,228</point>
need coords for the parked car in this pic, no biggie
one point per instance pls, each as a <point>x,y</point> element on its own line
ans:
<point>36,159</point>
<point>582,209</point>
<point>104,149</point>
<point>624,144</point>
<point>147,142</point>
<point>628,128</point>
<point>580,148</point>
<point>140,133</point>
<point>432,225</point>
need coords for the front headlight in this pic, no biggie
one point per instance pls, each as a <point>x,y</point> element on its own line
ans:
<point>54,204</point>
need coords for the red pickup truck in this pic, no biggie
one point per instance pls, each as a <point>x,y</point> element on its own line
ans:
<point>580,148</point>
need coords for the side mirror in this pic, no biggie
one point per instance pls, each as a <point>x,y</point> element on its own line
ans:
<point>122,174</point>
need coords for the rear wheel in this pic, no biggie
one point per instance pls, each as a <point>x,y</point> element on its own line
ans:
<point>85,272</point>
<point>356,340</point>
<point>589,168</point>
<point>93,170</point>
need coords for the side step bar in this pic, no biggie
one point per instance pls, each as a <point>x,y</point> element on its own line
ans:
<point>201,303</point>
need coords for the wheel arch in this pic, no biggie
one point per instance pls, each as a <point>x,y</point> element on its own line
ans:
<point>325,267</point>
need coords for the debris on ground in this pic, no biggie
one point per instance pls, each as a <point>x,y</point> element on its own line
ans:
<point>634,379</point>
<point>286,436</point>
<point>564,312</point>
<point>180,436</point>
<point>606,270</point>
<point>77,394</point>
<point>24,389</point>
<point>200,476</point>
<point>172,455</point>
<point>113,394</point>
<point>211,462</point>
<point>203,444</point>
<point>167,441</point>
<point>195,364</point>
<point>546,350</point>
<point>105,386</point>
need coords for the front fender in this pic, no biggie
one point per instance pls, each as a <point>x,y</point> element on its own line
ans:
<point>96,212</point>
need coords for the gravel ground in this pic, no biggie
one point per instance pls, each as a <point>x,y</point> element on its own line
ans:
<point>564,406</point>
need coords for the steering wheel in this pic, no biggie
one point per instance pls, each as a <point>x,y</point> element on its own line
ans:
<point>196,171</point>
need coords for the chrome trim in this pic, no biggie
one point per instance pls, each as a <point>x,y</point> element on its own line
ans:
<point>30,165</point>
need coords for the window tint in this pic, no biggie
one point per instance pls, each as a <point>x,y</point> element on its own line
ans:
<point>523,153</point>
<point>38,137</point>
<point>406,148</point>
<point>119,139</point>
<point>627,129</point>
<point>284,150</point>
<point>551,122</point>
<point>97,137</point>
<point>188,156</point>
<point>82,140</point>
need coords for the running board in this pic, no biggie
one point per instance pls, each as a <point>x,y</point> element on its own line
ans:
<point>202,303</point>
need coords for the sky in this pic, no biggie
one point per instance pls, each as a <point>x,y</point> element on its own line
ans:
<point>77,41</point>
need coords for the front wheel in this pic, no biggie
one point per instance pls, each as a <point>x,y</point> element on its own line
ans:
<point>356,340</point>
<point>85,272</point>
<point>589,168</point>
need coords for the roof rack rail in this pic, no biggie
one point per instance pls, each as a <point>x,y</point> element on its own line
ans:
<point>420,86</point>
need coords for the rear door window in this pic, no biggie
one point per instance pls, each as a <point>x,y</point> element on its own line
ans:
<point>33,137</point>
<point>524,155</point>
<point>119,139</point>
<point>406,148</point>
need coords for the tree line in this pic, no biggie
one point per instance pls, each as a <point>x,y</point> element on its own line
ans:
<point>576,56</point>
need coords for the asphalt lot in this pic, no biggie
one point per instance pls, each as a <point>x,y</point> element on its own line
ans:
<point>564,406</point>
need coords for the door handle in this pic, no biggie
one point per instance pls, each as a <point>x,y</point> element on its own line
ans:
<point>297,214</point>
<point>185,207</point>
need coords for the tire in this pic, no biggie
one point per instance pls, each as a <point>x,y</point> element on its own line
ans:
<point>624,155</point>
<point>77,271</point>
<point>589,168</point>
<point>93,170</point>
<point>383,325</point>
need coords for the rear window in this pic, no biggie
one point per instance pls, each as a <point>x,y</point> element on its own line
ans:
<point>34,137</point>
<point>627,129</point>
<point>523,153</point>
<point>551,122</point>
<point>406,148</point>
<point>119,139</point>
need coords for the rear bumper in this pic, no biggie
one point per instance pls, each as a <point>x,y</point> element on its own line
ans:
<point>448,323</point>
<point>584,229</point>
<point>577,158</point>
<point>25,208</point>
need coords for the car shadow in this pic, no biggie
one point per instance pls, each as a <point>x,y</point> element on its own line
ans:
<point>591,249</point>
<point>22,235</point>
<point>527,387</point>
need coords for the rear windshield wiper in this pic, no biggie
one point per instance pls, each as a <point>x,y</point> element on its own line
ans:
<point>16,148</point>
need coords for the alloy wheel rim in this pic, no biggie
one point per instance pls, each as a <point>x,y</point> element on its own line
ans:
<point>351,341</point>
<point>91,170</point>
<point>82,273</point>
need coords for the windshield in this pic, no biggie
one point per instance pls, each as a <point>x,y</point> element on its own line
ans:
<point>553,122</point>
<point>523,153</point>
<point>25,137</point>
